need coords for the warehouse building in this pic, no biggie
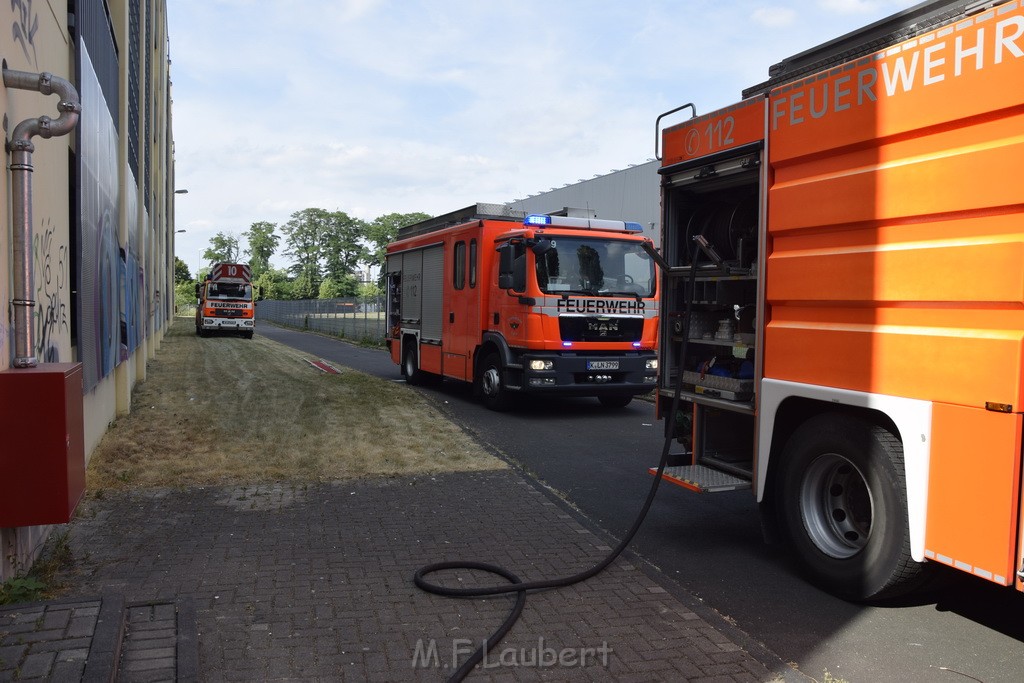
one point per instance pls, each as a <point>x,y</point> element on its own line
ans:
<point>87,251</point>
<point>630,194</point>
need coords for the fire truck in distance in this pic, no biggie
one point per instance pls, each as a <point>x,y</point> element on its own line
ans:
<point>225,301</point>
<point>843,297</point>
<point>540,304</point>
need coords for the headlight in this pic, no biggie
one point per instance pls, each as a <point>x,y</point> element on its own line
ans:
<point>541,364</point>
<point>652,364</point>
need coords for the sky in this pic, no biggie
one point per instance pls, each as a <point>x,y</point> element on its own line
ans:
<point>379,106</point>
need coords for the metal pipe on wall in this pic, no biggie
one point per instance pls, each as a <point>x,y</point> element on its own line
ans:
<point>20,148</point>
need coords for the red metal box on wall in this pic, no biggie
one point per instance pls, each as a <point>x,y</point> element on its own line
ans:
<point>42,444</point>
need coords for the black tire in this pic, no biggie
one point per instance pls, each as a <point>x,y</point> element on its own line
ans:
<point>247,335</point>
<point>199,332</point>
<point>842,508</point>
<point>615,400</point>
<point>495,394</point>
<point>410,366</point>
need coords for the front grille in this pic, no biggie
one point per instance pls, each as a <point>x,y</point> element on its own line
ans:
<point>600,329</point>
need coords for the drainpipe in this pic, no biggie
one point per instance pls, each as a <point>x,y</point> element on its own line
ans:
<point>20,147</point>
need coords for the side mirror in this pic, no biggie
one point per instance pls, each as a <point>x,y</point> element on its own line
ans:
<point>511,268</point>
<point>541,246</point>
<point>519,274</point>
<point>197,290</point>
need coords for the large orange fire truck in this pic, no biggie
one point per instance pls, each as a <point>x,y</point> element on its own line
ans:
<point>225,301</point>
<point>843,298</point>
<point>542,304</point>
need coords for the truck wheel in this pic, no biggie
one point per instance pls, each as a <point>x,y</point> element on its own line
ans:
<point>492,386</point>
<point>410,368</point>
<point>842,508</point>
<point>247,335</point>
<point>614,400</point>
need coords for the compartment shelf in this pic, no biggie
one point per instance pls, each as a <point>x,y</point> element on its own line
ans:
<point>745,407</point>
<point>716,342</point>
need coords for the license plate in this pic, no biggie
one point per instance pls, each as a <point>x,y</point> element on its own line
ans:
<point>602,365</point>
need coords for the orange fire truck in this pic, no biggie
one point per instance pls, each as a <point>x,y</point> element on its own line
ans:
<point>542,304</point>
<point>843,297</point>
<point>225,301</point>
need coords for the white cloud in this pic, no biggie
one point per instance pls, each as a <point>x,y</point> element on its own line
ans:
<point>774,16</point>
<point>375,106</point>
<point>860,6</point>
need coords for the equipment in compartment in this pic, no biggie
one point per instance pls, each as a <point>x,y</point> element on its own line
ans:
<point>725,217</point>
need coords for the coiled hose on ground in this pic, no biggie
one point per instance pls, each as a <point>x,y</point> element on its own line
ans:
<point>517,585</point>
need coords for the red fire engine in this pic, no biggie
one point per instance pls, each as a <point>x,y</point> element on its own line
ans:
<point>844,298</point>
<point>225,301</point>
<point>559,305</point>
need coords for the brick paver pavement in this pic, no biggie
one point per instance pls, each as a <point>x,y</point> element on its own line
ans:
<point>296,582</point>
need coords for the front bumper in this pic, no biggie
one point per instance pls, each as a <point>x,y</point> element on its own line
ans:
<point>590,375</point>
<point>228,324</point>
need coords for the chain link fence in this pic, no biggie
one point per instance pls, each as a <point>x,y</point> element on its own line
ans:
<point>358,319</point>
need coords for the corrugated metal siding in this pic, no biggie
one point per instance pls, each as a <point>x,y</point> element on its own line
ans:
<point>632,194</point>
<point>412,286</point>
<point>433,293</point>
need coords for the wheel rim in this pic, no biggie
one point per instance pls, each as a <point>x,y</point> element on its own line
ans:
<point>491,381</point>
<point>410,364</point>
<point>836,506</point>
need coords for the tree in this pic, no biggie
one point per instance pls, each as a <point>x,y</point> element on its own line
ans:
<point>262,245</point>
<point>330,288</point>
<point>384,229</point>
<point>181,272</point>
<point>303,287</point>
<point>275,284</point>
<point>342,248</point>
<point>370,290</point>
<point>223,249</point>
<point>304,236</point>
<point>184,297</point>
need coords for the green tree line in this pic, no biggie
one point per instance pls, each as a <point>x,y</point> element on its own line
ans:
<point>328,251</point>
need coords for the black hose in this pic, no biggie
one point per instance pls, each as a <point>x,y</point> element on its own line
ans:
<point>516,585</point>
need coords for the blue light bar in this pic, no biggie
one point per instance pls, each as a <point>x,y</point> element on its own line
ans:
<point>544,220</point>
<point>567,344</point>
<point>636,345</point>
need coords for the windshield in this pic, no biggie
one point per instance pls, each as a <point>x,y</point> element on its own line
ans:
<point>596,267</point>
<point>229,290</point>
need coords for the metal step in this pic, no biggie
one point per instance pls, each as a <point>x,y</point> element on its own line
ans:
<point>702,479</point>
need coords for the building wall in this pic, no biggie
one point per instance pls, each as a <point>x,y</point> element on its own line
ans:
<point>103,233</point>
<point>632,194</point>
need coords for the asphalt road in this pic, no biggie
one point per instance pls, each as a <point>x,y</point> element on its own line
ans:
<point>711,545</point>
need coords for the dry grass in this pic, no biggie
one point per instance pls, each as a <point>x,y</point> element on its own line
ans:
<point>226,410</point>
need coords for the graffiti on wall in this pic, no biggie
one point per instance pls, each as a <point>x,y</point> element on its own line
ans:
<point>26,23</point>
<point>51,277</point>
<point>106,290</point>
<point>133,279</point>
<point>99,271</point>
